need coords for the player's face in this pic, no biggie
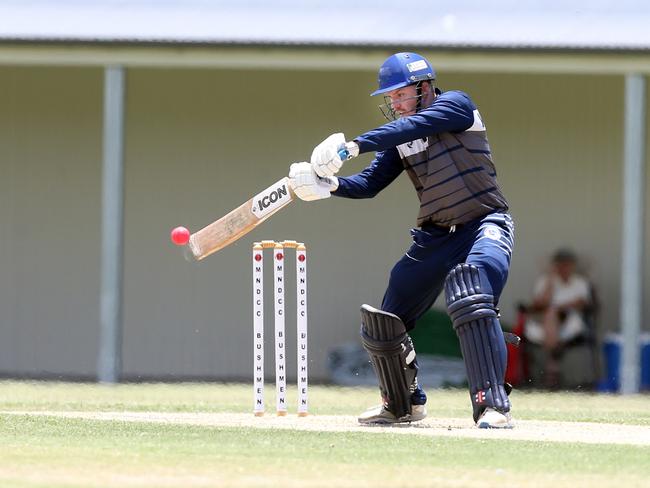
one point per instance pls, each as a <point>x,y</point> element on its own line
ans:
<point>404,100</point>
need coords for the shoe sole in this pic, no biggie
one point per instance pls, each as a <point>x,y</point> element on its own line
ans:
<point>390,421</point>
<point>378,422</point>
<point>485,425</point>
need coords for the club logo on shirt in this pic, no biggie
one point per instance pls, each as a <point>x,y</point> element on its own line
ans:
<point>492,232</point>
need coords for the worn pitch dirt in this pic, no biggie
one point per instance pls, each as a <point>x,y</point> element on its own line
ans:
<point>528,430</point>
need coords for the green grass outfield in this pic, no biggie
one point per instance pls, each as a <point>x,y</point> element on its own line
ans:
<point>51,451</point>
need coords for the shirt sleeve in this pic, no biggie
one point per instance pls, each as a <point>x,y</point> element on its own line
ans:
<point>386,166</point>
<point>450,112</point>
<point>540,286</point>
<point>582,289</point>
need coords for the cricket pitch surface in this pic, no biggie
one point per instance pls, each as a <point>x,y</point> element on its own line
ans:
<point>525,430</point>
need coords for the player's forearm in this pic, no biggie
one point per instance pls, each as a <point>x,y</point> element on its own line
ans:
<point>444,117</point>
<point>360,185</point>
<point>351,187</point>
<point>366,184</point>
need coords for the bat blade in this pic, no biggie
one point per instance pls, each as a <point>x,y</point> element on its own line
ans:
<point>240,221</point>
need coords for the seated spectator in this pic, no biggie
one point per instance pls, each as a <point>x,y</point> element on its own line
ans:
<point>557,320</point>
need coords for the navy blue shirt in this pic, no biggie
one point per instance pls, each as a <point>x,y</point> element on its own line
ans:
<point>444,150</point>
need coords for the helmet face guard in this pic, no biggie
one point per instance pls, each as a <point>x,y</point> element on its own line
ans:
<point>388,110</point>
<point>398,71</point>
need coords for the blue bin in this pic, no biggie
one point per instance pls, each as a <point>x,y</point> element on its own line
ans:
<point>612,358</point>
<point>612,346</point>
<point>645,361</point>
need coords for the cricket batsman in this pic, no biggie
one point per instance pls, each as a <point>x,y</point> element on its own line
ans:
<point>462,243</point>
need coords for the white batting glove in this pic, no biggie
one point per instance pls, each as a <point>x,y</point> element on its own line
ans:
<point>307,185</point>
<point>325,157</point>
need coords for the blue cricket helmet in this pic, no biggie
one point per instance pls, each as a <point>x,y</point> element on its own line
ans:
<point>403,69</point>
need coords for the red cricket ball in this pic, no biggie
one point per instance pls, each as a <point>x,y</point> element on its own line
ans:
<point>180,236</point>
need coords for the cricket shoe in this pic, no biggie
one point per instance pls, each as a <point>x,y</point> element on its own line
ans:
<point>380,415</point>
<point>493,419</point>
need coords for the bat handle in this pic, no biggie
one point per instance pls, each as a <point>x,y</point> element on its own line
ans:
<point>344,154</point>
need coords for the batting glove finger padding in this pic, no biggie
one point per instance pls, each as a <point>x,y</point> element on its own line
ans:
<point>307,185</point>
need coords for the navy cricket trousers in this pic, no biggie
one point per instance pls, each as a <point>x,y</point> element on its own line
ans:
<point>418,277</point>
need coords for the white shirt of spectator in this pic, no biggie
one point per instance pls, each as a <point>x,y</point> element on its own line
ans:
<point>577,288</point>
<point>564,292</point>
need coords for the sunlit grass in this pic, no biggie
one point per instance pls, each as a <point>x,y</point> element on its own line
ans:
<point>54,452</point>
<point>237,397</point>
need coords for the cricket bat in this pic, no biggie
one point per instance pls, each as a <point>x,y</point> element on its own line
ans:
<point>240,221</point>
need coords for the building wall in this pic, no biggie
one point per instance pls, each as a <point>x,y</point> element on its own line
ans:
<point>50,161</point>
<point>199,143</point>
<point>559,145</point>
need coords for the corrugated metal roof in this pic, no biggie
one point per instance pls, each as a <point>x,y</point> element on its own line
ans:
<point>497,24</point>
